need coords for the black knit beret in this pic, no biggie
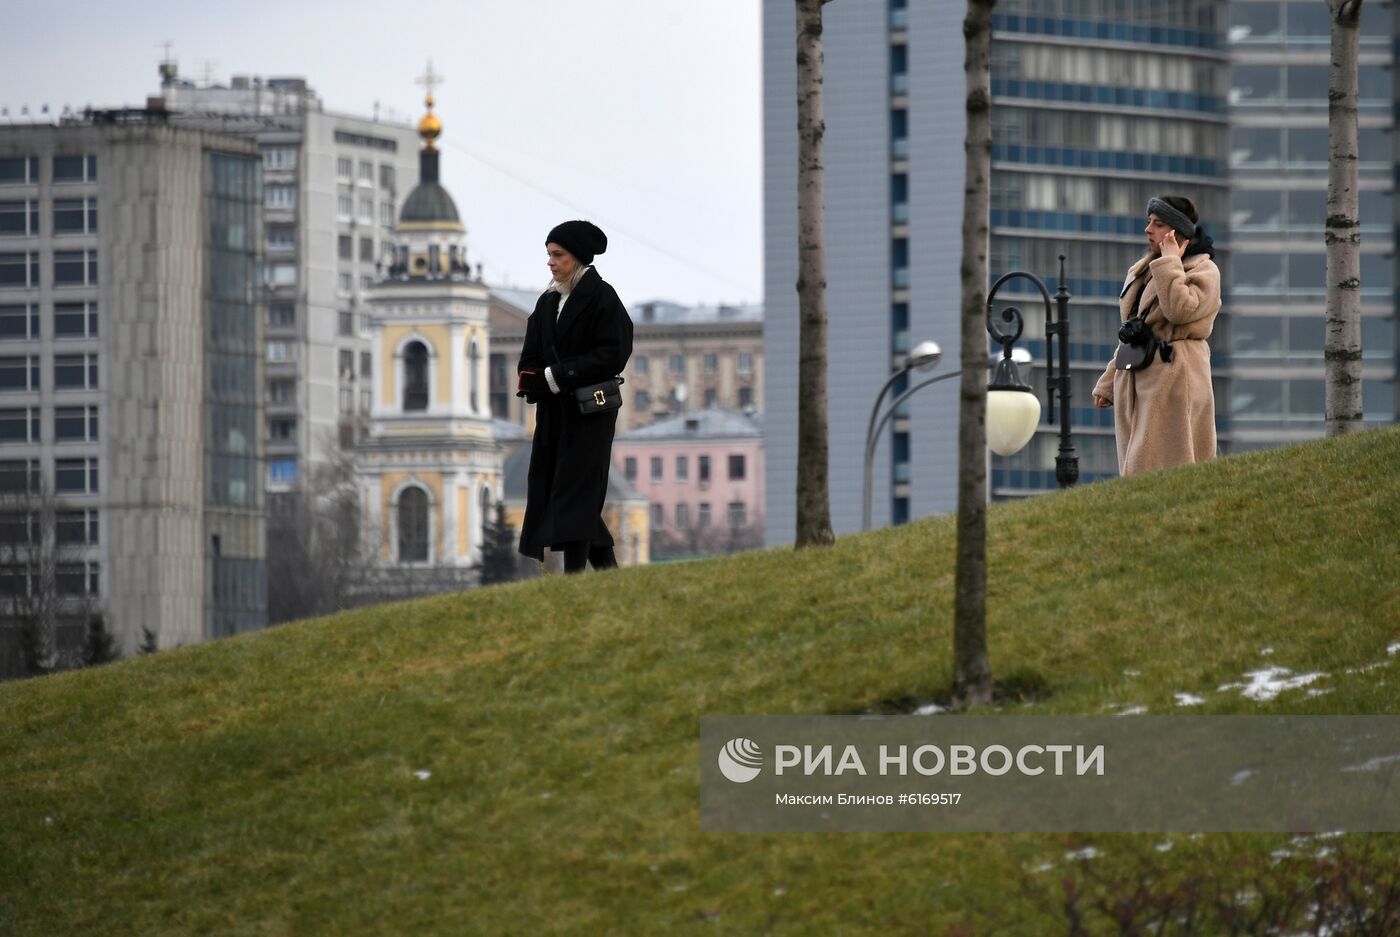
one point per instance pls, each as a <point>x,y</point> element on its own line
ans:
<point>583,239</point>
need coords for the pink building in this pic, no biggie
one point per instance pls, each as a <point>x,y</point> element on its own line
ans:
<point>703,476</point>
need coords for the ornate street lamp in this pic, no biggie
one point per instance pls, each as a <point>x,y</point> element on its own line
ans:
<point>1009,416</point>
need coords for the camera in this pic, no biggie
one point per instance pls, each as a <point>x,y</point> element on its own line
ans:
<point>1135,332</point>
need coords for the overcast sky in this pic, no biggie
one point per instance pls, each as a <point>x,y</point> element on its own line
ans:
<point>642,115</point>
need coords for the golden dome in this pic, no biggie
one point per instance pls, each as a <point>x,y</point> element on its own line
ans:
<point>429,128</point>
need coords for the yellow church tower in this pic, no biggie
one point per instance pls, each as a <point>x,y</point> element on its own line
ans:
<point>429,467</point>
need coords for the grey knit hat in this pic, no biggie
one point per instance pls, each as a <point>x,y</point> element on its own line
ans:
<point>1179,223</point>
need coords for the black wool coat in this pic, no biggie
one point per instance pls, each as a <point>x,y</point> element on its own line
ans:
<point>571,452</point>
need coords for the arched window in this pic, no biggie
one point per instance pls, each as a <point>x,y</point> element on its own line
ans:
<point>415,384</point>
<point>413,526</point>
<point>488,515</point>
<point>474,376</point>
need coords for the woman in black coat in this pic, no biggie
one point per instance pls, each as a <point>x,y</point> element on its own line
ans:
<point>579,334</point>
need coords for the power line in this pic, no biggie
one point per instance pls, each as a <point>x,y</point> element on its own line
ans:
<point>583,211</point>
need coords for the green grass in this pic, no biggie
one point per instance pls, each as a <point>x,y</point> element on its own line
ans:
<point>266,784</point>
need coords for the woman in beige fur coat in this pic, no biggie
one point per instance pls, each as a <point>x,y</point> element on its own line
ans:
<point>1165,413</point>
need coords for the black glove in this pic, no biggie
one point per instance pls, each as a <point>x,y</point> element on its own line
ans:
<point>531,385</point>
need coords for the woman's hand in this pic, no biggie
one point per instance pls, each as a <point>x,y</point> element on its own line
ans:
<point>1170,247</point>
<point>1101,403</point>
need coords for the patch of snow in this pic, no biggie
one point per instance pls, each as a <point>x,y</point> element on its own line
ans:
<point>1322,692</point>
<point>1164,846</point>
<point>1393,648</point>
<point>422,775</point>
<point>1367,668</point>
<point>1266,684</point>
<point>1133,711</point>
<point>48,821</point>
<point>930,709</point>
<point>1282,854</point>
<point>1186,699</point>
<point>779,892</point>
<point>1043,867</point>
<point>1241,776</point>
<point>1132,673</point>
<point>1266,651</point>
<point>1373,764</point>
<point>1088,852</point>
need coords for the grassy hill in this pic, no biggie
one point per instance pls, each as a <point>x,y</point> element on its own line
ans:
<point>524,759</point>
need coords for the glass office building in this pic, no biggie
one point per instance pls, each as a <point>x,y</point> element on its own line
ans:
<point>1271,369</point>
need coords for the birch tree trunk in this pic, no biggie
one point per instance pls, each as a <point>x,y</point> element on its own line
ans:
<point>813,495</point>
<point>972,674</point>
<point>1341,349</point>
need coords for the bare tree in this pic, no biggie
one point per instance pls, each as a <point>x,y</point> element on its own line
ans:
<point>813,494</point>
<point>972,674</point>
<point>47,596</point>
<point>1342,347</point>
<point>314,545</point>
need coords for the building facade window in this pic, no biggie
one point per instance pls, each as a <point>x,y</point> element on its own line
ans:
<point>19,170</point>
<point>745,362</point>
<point>702,468</point>
<point>76,579</point>
<point>711,363</point>
<point>344,206</point>
<point>280,196</point>
<point>76,528</point>
<point>280,157</point>
<point>282,471</point>
<point>75,216</point>
<point>711,396</point>
<point>677,364</point>
<point>281,237</point>
<point>415,385</point>
<point>281,390</point>
<point>19,373</point>
<point>736,467</point>
<point>702,515</point>
<point>738,515</point>
<point>282,315</point>
<point>640,364</point>
<point>75,476</point>
<point>656,468</point>
<point>658,517</point>
<point>75,268</point>
<point>629,468</point>
<point>19,476</point>
<point>345,247</point>
<point>75,424</point>
<point>682,516</point>
<point>19,270</point>
<point>19,323</point>
<point>19,425</point>
<point>344,167</point>
<point>282,428</point>
<point>75,372</point>
<point>643,401</point>
<point>74,169</point>
<point>745,398</point>
<point>19,219</point>
<point>682,468</point>
<point>413,525</point>
<point>386,176</point>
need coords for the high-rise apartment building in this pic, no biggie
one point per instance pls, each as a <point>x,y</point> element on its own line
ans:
<point>1273,372</point>
<point>130,340</point>
<point>333,185</point>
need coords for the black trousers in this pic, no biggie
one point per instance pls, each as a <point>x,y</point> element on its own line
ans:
<point>579,552</point>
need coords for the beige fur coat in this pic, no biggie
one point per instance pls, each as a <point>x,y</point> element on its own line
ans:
<point>1165,414</point>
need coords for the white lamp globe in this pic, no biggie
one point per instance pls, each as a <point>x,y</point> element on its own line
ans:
<point>1012,416</point>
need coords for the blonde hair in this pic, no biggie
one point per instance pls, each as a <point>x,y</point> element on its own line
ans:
<point>568,285</point>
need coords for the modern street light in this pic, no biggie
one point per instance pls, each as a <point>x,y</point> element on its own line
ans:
<point>924,357</point>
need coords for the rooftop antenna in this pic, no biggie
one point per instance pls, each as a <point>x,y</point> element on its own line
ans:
<point>167,68</point>
<point>209,72</point>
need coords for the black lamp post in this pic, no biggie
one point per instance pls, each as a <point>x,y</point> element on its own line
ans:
<point>1057,382</point>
